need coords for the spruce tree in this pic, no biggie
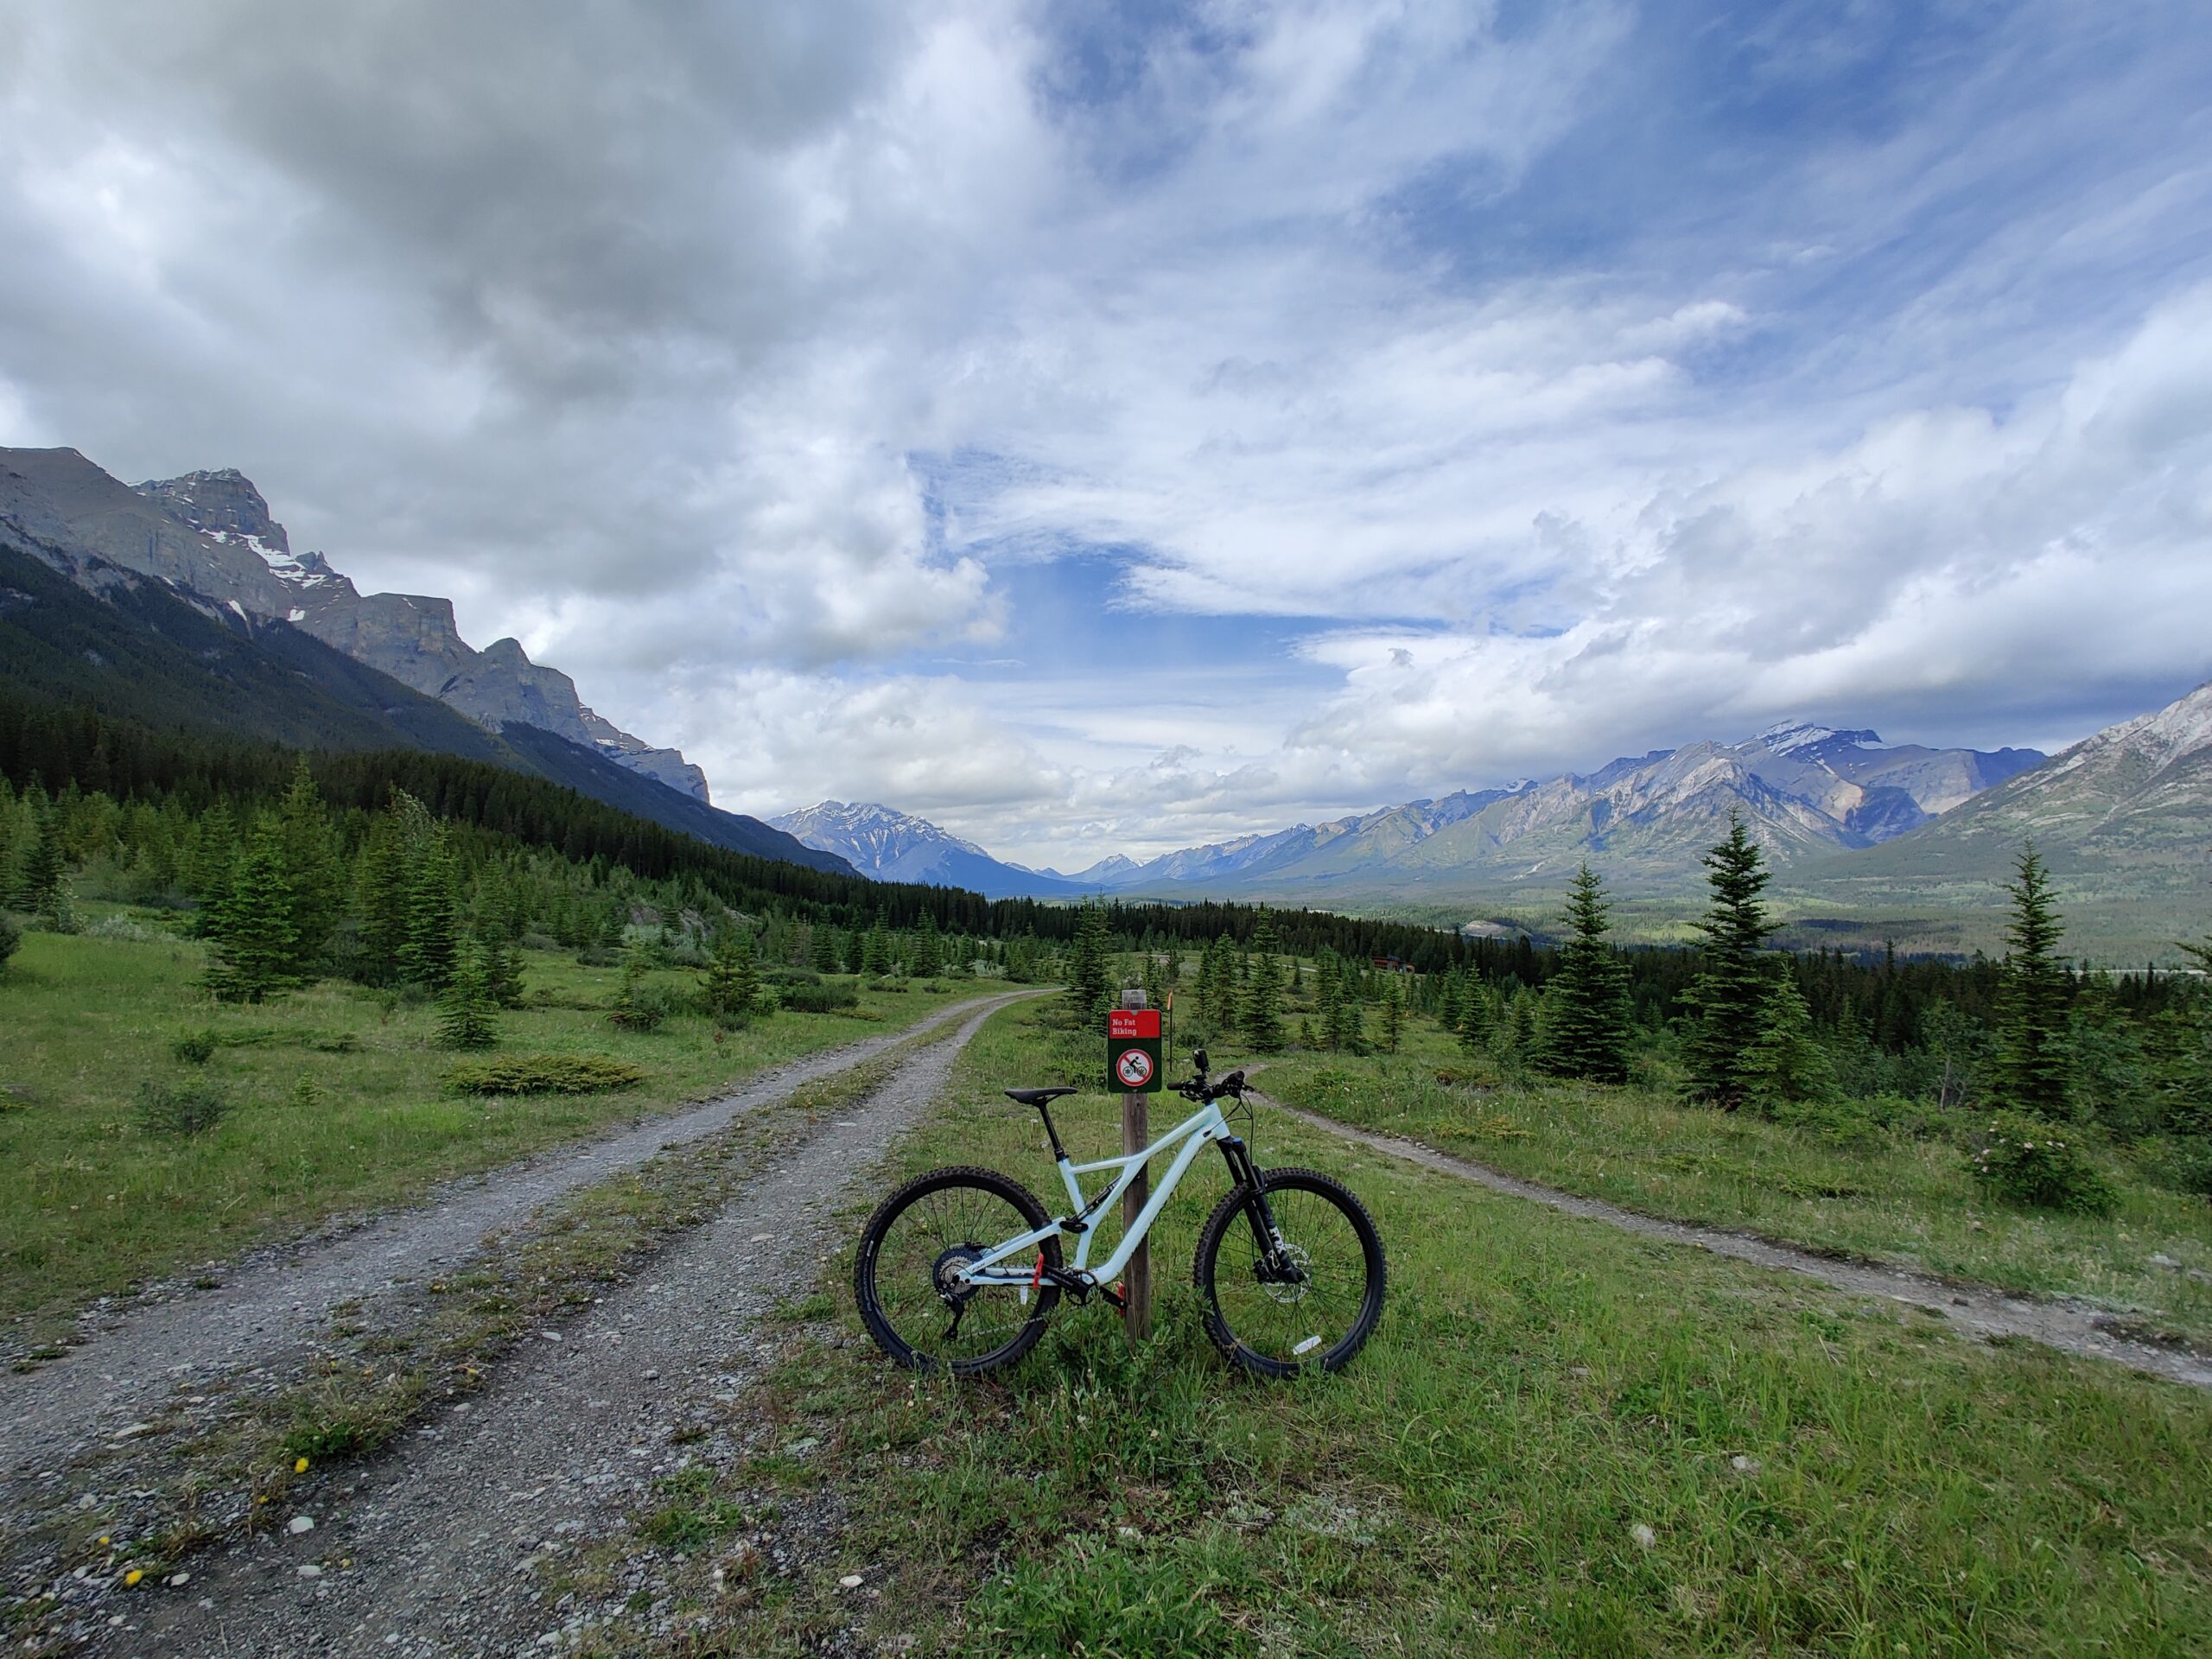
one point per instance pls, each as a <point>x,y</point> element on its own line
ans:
<point>826,958</point>
<point>468,1011</point>
<point>732,985</point>
<point>1477,1025</point>
<point>1733,987</point>
<point>929,947</point>
<point>39,877</point>
<point>2034,1054</point>
<point>254,941</point>
<point>1262,1010</point>
<point>503,971</point>
<point>1787,1066</point>
<point>1585,1004</point>
<point>311,865</point>
<point>1394,1015</point>
<point>433,939</point>
<point>875,951</point>
<point>1089,965</point>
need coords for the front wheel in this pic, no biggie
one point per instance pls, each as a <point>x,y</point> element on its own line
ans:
<point>1320,1311</point>
<point>906,1278</point>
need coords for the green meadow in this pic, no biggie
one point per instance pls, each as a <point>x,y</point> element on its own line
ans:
<point>337,1097</point>
<point>1563,1439</point>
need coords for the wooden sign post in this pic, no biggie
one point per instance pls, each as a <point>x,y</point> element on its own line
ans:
<point>1133,1061</point>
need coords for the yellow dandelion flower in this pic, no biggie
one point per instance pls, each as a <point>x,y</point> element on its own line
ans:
<point>134,1575</point>
<point>300,1467</point>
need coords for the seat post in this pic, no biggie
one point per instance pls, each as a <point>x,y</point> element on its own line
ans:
<point>1060,1152</point>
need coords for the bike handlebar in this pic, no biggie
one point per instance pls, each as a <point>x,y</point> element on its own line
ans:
<point>1199,1089</point>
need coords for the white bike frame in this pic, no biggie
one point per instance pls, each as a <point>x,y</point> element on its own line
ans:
<point>1203,1126</point>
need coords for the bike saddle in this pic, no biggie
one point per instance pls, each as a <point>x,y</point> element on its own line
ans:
<point>1038,1097</point>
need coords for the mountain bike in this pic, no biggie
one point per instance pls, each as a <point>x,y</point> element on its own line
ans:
<point>1289,1268</point>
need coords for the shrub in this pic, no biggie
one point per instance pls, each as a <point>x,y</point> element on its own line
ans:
<point>11,937</point>
<point>2184,1163</point>
<point>195,1047</point>
<point>188,1108</point>
<point>824,998</point>
<point>639,1004</point>
<point>2040,1166</point>
<point>544,1074</point>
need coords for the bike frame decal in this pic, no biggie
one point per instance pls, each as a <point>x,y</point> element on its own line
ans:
<point>1200,1128</point>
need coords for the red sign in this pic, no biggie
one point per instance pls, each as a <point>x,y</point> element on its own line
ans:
<point>1133,1068</point>
<point>1132,1022</point>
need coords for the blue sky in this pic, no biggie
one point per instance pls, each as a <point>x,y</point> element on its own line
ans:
<point>1104,428</point>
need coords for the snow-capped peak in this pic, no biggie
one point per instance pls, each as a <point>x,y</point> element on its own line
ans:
<point>1789,736</point>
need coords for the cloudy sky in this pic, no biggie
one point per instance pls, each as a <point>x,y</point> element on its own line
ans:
<point>1110,427</point>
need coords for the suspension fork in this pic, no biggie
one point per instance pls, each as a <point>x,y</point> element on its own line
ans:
<point>1266,1236</point>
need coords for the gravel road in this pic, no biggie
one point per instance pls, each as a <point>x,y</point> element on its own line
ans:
<point>2074,1327</point>
<point>439,1545</point>
<point>271,1304</point>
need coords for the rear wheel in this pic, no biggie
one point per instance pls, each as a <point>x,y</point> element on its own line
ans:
<point>911,1253</point>
<point>1319,1313</point>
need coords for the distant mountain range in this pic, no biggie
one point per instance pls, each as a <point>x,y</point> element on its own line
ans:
<point>2123,818</point>
<point>1880,840</point>
<point>1645,820</point>
<point>181,603</point>
<point>897,847</point>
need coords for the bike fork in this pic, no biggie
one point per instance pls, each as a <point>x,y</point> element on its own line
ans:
<point>1274,1255</point>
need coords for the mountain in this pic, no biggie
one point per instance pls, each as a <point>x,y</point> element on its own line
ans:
<point>1807,791</point>
<point>2123,819</point>
<point>136,641</point>
<point>410,637</point>
<point>898,847</point>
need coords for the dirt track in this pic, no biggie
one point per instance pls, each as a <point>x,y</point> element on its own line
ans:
<point>2073,1327</point>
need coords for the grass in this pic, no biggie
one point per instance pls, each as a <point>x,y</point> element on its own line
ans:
<point>1563,1439</point>
<point>339,1104</point>
<point>1883,1195</point>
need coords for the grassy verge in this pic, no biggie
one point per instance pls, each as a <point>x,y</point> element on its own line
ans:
<point>1563,1439</point>
<point>339,1104</point>
<point>1885,1195</point>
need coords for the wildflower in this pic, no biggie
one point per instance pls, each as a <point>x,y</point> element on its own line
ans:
<point>1645,1538</point>
<point>134,1575</point>
<point>300,1467</point>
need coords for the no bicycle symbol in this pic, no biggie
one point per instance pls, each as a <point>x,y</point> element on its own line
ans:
<point>1134,1068</point>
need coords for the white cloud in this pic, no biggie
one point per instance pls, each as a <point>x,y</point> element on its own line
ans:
<point>740,360</point>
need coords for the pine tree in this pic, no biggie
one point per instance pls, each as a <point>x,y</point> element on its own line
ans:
<point>1263,1009</point>
<point>304,832</point>
<point>254,941</point>
<point>1218,983</point>
<point>732,985</point>
<point>1587,1013</point>
<point>2034,1055</point>
<point>433,913</point>
<point>1393,1016</point>
<point>1730,994</point>
<point>1089,965</point>
<point>468,1011</point>
<point>1328,1000</point>
<point>826,958</point>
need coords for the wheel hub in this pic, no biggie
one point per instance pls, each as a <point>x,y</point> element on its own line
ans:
<point>946,1271</point>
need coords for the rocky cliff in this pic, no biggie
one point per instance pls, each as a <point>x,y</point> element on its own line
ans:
<point>242,552</point>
